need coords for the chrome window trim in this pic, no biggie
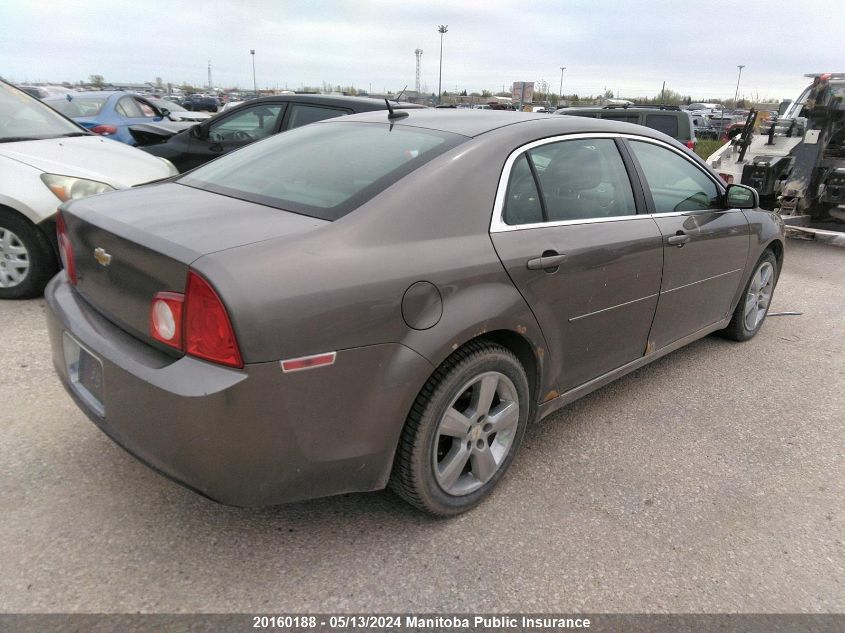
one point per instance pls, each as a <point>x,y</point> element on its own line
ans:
<point>498,225</point>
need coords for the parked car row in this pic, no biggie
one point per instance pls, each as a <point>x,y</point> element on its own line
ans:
<point>47,159</point>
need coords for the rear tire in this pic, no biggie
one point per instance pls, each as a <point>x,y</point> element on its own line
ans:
<point>27,260</point>
<point>755,300</point>
<point>463,430</point>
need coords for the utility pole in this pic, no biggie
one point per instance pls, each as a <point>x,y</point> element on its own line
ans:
<point>254,85</point>
<point>560,92</point>
<point>418,53</point>
<point>662,92</point>
<point>210,85</point>
<point>736,94</point>
<point>442,29</point>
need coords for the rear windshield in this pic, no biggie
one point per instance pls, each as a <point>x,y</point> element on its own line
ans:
<point>324,170</point>
<point>666,123</point>
<point>77,106</point>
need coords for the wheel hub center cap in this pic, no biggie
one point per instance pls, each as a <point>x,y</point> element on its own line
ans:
<point>475,433</point>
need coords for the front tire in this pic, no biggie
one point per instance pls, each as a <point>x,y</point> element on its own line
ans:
<point>754,303</point>
<point>463,430</point>
<point>27,261</point>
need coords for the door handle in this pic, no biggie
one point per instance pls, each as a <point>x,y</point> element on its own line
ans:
<point>679,239</point>
<point>548,261</point>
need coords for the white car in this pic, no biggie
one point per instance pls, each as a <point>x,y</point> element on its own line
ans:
<point>46,159</point>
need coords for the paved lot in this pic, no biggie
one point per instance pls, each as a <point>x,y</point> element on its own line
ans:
<point>712,480</point>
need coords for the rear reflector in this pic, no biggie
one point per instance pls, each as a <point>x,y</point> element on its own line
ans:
<point>208,331</point>
<point>166,318</point>
<point>308,362</point>
<point>65,248</point>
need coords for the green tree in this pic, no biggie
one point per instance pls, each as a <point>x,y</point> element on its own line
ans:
<point>96,80</point>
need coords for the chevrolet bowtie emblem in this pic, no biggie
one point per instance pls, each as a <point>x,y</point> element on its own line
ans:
<point>102,257</point>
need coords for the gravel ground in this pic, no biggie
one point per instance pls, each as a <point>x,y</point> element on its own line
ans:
<point>712,480</point>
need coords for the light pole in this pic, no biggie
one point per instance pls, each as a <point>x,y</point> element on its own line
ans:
<point>442,29</point>
<point>736,94</point>
<point>254,85</point>
<point>560,92</point>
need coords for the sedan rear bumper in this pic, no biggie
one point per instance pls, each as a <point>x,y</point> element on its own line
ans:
<point>248,437</point>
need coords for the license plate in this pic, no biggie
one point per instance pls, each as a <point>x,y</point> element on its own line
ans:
<point>85,372</point>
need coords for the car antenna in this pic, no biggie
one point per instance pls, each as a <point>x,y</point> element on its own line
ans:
<point>399,96</point>
<point>394,114</point>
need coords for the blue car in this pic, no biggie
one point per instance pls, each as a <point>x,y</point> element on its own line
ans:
<point>113,113</point>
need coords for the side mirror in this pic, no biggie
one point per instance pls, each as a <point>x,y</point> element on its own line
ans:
<point>165,112</point>
<point>741,197</point>
<point>198,131</point>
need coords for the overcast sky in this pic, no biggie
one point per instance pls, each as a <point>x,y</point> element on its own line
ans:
<point>628,47</point>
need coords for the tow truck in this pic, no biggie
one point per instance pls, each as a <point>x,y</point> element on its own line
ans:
<point>797,160</point>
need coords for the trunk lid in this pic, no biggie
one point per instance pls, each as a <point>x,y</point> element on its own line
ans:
<point>132,244</point>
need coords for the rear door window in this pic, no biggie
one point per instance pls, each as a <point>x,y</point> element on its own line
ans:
<point>303,114</point>
<point>666,123</point>
<point>128,108</point>
<point>582,179</point>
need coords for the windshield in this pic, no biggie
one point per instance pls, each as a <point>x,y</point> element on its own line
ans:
<point>24,118</point>
<point>794,110</point>
<point>324,170</point>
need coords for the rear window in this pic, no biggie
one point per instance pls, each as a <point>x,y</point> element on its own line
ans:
<point>324,170</point>
<point>666,123</point>
<point>77,106</point>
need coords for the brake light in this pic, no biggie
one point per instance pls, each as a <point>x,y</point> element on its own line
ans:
<point>166,318</point>
<point>195,322</point>
<point>728,178</point>
<point>208,332</point>
<point>104,130</point>
<point>65,249</point>
<point>690,144</point>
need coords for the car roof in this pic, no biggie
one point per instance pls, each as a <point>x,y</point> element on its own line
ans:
<point>361,104</point>
<point>105,94</point>
<point>475,123</point>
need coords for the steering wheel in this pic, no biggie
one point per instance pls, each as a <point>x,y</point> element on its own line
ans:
<point>240,135</point>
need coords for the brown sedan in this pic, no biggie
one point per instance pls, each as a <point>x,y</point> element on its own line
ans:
<point>391,299</point>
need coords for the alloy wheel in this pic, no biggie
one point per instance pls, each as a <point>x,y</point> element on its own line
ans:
<point>476,433</point>
<point>759,295</point>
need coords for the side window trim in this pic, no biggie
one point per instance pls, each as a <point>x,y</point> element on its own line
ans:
<point>647,190</point>
<point>498,225</point>
<point>541,196</point>
<point>642,197</point>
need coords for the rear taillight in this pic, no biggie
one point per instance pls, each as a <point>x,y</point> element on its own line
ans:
<point>65,249</point>
<point>208,331</point>
<point>690,144</point>
<point>195,322</point>
<point>104,130</point>
<point>728,178</point>
<point>166,318</point>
